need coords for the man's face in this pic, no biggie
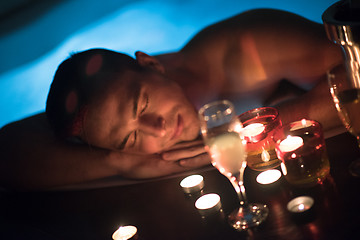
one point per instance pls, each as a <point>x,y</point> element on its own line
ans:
<point>142,113</point>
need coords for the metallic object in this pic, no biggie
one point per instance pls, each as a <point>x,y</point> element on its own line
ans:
<point>342,25</point>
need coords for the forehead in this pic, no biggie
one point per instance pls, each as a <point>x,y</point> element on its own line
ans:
<point>119,85</point>
<point>109,111</point>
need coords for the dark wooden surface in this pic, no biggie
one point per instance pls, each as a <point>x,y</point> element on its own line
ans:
<point>160,209</point>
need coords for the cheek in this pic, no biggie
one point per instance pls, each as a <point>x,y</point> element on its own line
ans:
<point>193,128</point>
<point>151,145</point>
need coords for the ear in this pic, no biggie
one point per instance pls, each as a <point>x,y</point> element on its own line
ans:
<point>148,61</point>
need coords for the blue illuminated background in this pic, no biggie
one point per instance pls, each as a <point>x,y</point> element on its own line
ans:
<point>30,52</point>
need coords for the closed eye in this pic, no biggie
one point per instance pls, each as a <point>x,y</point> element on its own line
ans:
<point>145,105</point>
<point>134,135</point>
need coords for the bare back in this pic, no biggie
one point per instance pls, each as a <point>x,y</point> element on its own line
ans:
<point>248,54</point>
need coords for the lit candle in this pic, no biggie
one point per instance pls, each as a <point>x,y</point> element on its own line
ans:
<point>253,130</point>
<point>300,204</point>
<point>208,203</point>
<point>193,183</point>
<point>291,143</point>
<point>124,233</point>
<point>268,176</point>
<point>301,124</point>
<point>306,123</point>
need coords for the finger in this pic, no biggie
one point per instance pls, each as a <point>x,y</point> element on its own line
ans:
<point>198,161</point>
<point>175,155</point>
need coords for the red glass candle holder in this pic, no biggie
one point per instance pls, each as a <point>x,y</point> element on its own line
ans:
<point>260,124</point>
<point>301,147</point>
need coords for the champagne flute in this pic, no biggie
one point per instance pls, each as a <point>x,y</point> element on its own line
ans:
<point>347,102</point>
<point>221,128</point>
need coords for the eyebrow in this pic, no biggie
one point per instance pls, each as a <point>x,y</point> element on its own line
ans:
<point>136,97</point>
<point>135,88</point>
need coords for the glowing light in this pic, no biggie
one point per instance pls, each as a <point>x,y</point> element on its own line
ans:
<point>207,201</point>
<point>301,207</point>
<point>238,127</point>
<point>291,143</point>
<point>303,124</point>
<point>300,204</point>
<point>283,169</point>
<point>124,233</point>
<point>253,129</point>
<point>265,156</point>
<point>192,183</point>
<point>268,176</point>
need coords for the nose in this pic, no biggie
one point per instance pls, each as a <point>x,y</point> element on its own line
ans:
<point>153,125</point>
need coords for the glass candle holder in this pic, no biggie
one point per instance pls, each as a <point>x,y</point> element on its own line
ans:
<point>260,124</point>
<point>301,147</point>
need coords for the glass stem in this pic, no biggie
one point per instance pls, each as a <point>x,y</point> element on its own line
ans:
<point>238,183</point>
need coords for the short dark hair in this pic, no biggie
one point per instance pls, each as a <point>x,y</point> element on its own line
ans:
<point>77,81</point>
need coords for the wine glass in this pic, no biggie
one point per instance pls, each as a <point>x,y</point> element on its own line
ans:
<point>347,102</point>
<point>221,128</point>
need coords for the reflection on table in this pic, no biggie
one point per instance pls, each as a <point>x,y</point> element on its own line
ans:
<point>160,209</point>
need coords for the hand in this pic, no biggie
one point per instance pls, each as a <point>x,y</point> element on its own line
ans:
<point>188,154</point>
<point>180,158</point>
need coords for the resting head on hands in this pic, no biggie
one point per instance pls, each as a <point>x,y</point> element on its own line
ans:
<point>110,100</point>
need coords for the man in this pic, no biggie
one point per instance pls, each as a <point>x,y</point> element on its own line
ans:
<point>141,121</point>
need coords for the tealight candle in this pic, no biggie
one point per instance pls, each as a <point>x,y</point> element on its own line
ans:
<point>268,176</point>
<point>253,130</point>
<point>300,204</point>
<point>208,203</point>
<point>291,143</point>
<point>302,124</point>
<point>124,233</point>
<point>193,183</point>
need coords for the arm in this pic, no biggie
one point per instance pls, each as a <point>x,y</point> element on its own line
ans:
<point>316,104</point>
<point>33,158</point>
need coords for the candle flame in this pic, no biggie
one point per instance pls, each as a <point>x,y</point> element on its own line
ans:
<point>301,207</point>
<point>303,122</point>
<point>238,127</point>
<point>265,156</point>
<point>283,169</point>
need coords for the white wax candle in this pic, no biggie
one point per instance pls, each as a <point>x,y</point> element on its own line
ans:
<point>192,183</point>
<point>268,176</point>
<point>253,129</point>
<point>207,201</point>
<point>124,233</point>
<point>300,204</point>
<point>291,143</point>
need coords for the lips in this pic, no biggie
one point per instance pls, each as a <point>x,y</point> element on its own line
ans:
<point>179,127</point>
